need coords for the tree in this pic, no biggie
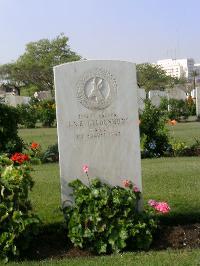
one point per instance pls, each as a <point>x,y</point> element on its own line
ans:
<point>153,77</point>
<point>35,66</point>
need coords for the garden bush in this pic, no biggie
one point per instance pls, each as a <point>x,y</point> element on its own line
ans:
<point>105,219</point>
<point>28,115</point>
<point>34,152</point>
<point>10,142</point>
<point>153,131</point>
<point>47,112</point>
<point>51,155</point>
<point>178,109</point>
<point>17,221</point>
<point>181,149</point>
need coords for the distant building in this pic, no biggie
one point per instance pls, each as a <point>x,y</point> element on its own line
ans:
<point>178,67</point>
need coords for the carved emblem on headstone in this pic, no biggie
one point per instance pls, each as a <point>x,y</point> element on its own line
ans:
<point>96,89</point>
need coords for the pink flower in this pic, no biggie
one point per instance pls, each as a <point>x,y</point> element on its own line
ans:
<point>126,183</point>
<point>136,189</point>
<point>85,168</point>
<point>152,203</point>
<point>162,207</point>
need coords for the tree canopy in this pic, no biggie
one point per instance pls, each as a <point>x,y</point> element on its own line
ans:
<point>153,77</point>
<point>35,66</point>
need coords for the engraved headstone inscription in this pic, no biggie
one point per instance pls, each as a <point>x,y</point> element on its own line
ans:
<point>98,124</point>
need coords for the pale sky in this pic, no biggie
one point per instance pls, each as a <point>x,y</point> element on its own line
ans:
<point>132,30</point>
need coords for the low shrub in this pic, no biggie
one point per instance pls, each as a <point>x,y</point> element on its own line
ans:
<point>17,221</point>
<point>10,142</point>
<point>181,149</point>
<point>51,155</point>
<point>47,112</point>
<point>178,109</point>
<point>178,148</point>
<point>105,219</point>
<point>28,115</point>
<point>34,151</point>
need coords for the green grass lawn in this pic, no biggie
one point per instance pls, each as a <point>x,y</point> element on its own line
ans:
<point>43,136</point>
<point>155,258</point>
<point>175,180</point>
<point>186,132</point>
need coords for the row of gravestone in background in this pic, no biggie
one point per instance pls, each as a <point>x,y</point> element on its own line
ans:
<point>154,95</point>
<point>14,100</point>
<point>176,93</point>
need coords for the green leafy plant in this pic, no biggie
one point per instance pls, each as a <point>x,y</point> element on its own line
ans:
<point>106,219</point>
<point>153,131</point>
<point>51,154</point>
<point>47,112</point>
<point>34,151</point>
<point>178,109</point>
<point>181,149</point>
<point>178,148</point>
<point>17,221</point>
<point>28,115</point>
<point>10,142</point>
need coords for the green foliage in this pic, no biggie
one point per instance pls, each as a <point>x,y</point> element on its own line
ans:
<point>35,66</point>
<point>28,115</point>
<point>43,111</point>
<point>178,148</point>
<point>51,154</point>
<point>28,90</point>
<point>178,109</point>
<point>17,222</point>
<point>47,112</point>
<point>153,131</point>
<point>181,149</point>
<point>33,150</point>
<point>104,218</point>
<point>153,77</point>
<point>9,140</point>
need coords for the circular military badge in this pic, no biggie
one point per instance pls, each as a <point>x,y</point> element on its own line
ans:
<point>96,89</point>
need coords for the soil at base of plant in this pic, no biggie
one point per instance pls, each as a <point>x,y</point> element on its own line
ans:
<point>56,246</point>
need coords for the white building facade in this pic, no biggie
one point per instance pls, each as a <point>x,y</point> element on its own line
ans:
<point>178,67</point>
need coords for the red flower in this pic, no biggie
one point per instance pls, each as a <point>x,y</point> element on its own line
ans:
<point>19,157</point>
<point>35,146</point>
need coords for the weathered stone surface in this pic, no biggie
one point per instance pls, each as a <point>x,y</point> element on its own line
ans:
<point>197,101</point>
<point>98,125</point>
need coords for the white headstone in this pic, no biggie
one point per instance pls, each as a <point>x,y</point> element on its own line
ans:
<point>14,100</point>
<point>156,95</point>
<point>97,118</point>
<point>141,94</point>
<point>176,93</point>
<point>197,101</point>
